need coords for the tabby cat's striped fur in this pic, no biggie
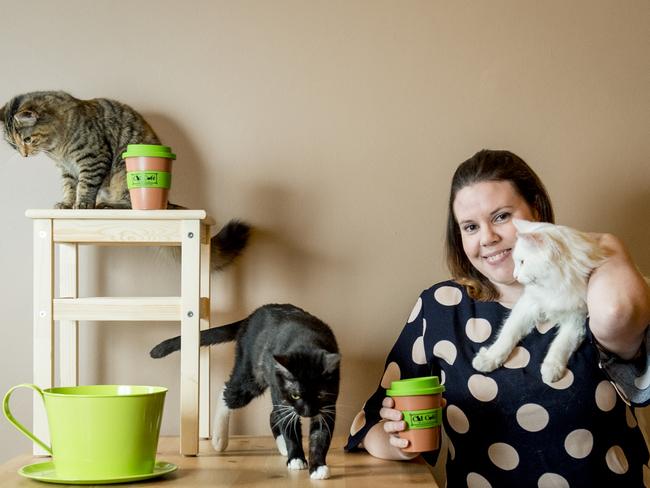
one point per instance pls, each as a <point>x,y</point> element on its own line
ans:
<point>85,138</point>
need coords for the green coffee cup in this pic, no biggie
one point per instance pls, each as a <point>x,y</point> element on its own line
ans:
<point>99,431</point>
<point>420,401</point>
<point>148,175</point>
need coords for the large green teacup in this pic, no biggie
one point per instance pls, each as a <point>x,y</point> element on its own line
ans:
<point>99,431</point>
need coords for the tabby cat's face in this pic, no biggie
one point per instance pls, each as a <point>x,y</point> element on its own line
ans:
<point>309,383</point>
<point>28,131</point>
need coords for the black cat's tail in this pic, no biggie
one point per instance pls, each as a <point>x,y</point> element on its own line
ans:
<point>214,335</point>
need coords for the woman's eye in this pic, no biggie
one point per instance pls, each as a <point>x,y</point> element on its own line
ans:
<point>469,228</point>
<point>502,217</point>
<point>295,396</point>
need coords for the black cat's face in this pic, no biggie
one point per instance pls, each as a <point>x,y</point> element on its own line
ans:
<point>309,382</point>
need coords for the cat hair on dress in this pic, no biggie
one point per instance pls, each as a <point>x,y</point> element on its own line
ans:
<point>553,262</point>
<point>295,355</point>
<point>86,139</point>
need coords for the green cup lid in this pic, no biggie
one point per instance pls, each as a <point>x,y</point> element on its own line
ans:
<point>148,150</point>
<point>426,385</point>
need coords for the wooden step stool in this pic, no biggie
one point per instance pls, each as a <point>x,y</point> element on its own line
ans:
<point>189,229</point>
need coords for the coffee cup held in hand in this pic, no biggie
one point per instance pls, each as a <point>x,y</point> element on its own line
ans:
<point>420,401</point>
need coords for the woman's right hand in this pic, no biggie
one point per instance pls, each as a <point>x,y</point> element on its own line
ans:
<point>393,423</point>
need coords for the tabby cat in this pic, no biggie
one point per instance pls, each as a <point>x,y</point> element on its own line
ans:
<point>293,353</point>
<point>86,139</point>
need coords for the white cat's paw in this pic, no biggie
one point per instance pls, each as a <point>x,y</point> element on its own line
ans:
<point>486,361</point>
<point>552,371</point>
<point>320,473</point>
<point>296,464</point>
<point>282,446</point>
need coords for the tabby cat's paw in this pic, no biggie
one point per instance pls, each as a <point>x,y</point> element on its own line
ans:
<point>84,205</point>
<point>62,205</point>
<point>486,361</point>
<point>296,464</point>
<point>320,473</point>
<point>552,371</point>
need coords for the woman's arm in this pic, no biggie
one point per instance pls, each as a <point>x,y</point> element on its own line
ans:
<point>618,300</point>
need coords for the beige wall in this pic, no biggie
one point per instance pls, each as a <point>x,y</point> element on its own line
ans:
<point>334,128</point>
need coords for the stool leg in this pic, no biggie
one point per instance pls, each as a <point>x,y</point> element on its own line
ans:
<point>43,324</point>
<point>68,329</point>
<point>190,313</point>
<point>204,354</point>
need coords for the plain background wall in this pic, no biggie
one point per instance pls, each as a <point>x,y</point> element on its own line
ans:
<point>334,128</point>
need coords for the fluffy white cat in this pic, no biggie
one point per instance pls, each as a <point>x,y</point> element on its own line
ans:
<point>553,263</point>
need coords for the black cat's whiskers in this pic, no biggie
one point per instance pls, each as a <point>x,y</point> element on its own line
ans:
<point>288,418</point>
<point>323,421</point>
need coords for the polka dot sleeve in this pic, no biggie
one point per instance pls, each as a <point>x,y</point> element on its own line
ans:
<point>631,378</point>
<point>407,359</point>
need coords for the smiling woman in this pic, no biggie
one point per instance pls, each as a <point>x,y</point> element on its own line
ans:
<point>509,185</point>
<point>484,212</point>
<point>512,426</point>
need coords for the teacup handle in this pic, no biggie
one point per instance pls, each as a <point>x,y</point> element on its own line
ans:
<point>18,425</point>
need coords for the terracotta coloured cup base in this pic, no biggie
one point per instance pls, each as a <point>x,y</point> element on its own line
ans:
<point>148,198</point>
<point>420,440</point>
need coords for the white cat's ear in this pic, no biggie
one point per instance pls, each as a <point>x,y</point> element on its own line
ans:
<point>331,362</point>
<point>522,225</point>
<point>26,118</point>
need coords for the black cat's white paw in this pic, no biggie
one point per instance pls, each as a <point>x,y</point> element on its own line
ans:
<point>296,463</point>
<point>320,473</point>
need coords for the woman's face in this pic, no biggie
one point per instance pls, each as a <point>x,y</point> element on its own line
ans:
<point>484,213</point>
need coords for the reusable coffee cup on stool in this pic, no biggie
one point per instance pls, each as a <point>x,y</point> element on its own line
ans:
<point>420,401</point>
<point>99,431</point>
<point>148,175</point>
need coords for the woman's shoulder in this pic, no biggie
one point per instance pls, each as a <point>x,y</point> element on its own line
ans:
<point>447,292</point>
<point>450,297</point>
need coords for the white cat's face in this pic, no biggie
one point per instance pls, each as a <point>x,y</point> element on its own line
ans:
<point>531,254</point>
<point>529,265</point>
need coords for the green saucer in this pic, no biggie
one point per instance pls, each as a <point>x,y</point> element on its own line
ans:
<point>45,472</point>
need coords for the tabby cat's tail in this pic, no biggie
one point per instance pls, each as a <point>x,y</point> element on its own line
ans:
<point>214,335</point>
<point>228,243</point>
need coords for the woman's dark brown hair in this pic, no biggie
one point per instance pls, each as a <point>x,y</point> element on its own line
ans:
<point>489,165</point>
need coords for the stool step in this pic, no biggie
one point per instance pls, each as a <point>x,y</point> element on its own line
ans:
<point>118,308</point>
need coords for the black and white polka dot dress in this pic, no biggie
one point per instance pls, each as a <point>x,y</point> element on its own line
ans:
<point>509,428</point>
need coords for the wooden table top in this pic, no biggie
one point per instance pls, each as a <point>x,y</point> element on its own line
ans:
<point>255,462</point>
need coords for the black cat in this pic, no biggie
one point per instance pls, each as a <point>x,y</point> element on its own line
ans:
<point>296,355</point>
